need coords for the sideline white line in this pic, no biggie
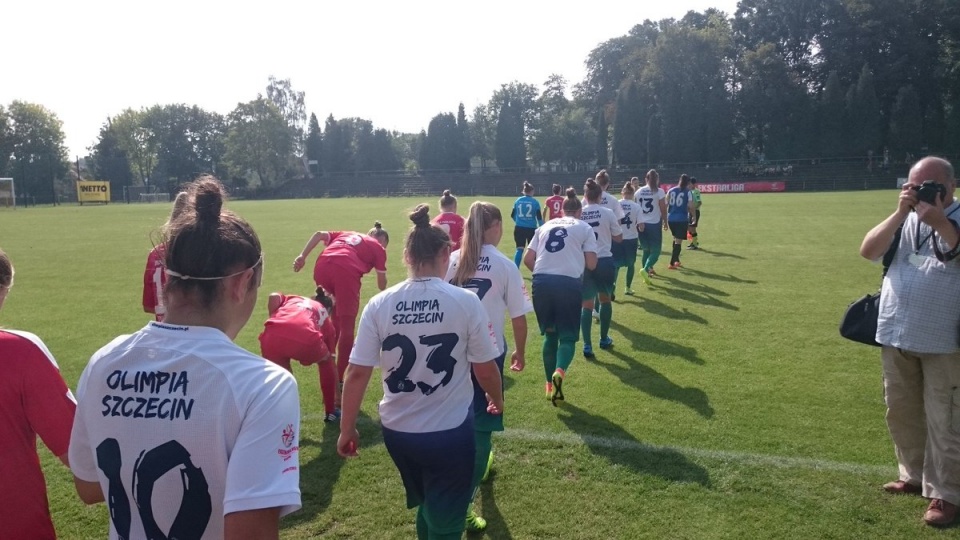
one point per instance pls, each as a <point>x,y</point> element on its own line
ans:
<point>780,462</point>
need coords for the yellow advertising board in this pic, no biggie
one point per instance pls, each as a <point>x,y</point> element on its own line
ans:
<point>90,191</point>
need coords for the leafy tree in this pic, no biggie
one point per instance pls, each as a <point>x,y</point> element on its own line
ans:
<point>442,148</point>
<point>863,114</point>
<point>463,148</point>
<point>906,123</point>
<point>137,140</point>
<point>384,152</point>
<point>6,140</point>
<point>510,148</point>
<point>482,135</point>
<point>109,160</point>
<point>337,155</point>
<point>291,106</point>
<point>188,140</point>
<point>259,141</point>
<point>601,142</point>
<point>831,120</point>
<point>629,127</point>
<point>774,108</point>
<point>522,98</point>
<point>314,142</point>
<point>39,155</point>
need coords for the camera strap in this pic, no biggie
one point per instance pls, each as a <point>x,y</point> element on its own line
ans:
<point>942,257</point>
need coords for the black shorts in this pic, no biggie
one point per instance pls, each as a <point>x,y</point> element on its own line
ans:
<point>678,229</point>
<point>696,219</point>
<point>523,236</point>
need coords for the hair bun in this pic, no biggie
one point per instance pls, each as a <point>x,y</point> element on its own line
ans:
<point>446,193</point>
<point>571,193</point>
<point>421,215</point>
<point>377,225</point>
<point>208,200</point>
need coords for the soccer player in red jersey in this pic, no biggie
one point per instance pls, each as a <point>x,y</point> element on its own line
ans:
<point>339,269</point>
<point>554,203</point>
<point>301,329</point>
<point>34,400</point>
<point>154,277</point>
<point>449,220</point>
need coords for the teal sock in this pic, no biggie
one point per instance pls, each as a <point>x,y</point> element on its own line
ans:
<point>586,322</point>
<point>549,354</point>
<point>616,275</point>
<point>423,531</point>
<point>517,257</point>
<point>606,313</point>
<point>630,272</point>
<point>565,355</point>
<point>484,445</point>
<point>654,256</point>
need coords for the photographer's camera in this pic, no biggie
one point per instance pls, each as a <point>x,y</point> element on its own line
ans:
<point>928,191</point>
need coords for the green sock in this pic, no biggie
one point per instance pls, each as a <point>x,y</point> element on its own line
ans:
<point>586,322</point>
<point>549,354</point>
<point>484,445</point>
<point>565,355</point>
<point>631,269</point>
<point>423,531</point>
<point>606,313</point>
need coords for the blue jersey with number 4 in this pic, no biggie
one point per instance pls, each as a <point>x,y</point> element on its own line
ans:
<point>526,212</point>
<point>678,201</point>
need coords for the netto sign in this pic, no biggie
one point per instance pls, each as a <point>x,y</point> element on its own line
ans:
<point>88,191</point>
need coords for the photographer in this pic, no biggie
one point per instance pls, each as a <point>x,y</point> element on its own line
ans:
<point>918,329</point>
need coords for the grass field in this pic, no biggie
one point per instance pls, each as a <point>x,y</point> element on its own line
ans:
<point>729,407</point>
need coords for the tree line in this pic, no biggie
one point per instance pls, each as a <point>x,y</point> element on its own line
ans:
<point>777,79</point>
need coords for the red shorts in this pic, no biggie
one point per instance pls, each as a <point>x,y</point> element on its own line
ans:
<point>278,348</point>
<point>341,283</point>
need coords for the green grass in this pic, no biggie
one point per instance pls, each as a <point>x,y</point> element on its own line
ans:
<point>729,407</point>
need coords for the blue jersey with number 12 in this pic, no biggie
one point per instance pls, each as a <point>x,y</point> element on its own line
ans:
<point>526,212</point>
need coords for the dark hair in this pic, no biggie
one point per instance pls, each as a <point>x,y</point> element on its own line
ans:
<point>324,299</point>
<point>556,189</point>
<point>483,215</point>
<point>572,204</point>
<point>378,232</point>
<point>527,188</point>
<point>208,243</point>
<point>592,190</point>
<point>447,200</point>
<point>6,270</point>
<point>684,181</point>
<point>424,240</point>
<point>693,180</point>
<point>603,178</point>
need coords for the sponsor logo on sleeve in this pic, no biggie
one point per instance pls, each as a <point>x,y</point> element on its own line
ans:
<point>288,437</point>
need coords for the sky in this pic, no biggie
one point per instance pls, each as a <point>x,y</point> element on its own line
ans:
<point>397,64</point>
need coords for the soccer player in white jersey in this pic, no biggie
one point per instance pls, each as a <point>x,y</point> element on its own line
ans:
<point>628,246</point>
<point>558,255</point>
<point>608,201</point>
<point>598,283</point>
<point>425,334</point>
<point>181,397</point>
<point>652,222</point>
<point>480,267</point>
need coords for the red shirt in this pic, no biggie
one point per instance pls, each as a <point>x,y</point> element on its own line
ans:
<point>34,400</point>
<point>453,224</point>
<point>355,251</point>
<point>554,206</point>
<point>154,278</point>
<point>302,320</point>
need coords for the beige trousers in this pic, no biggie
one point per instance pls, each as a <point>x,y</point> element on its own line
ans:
<point>922,393</point>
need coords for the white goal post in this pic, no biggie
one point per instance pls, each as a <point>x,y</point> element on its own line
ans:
<point>8,193</point>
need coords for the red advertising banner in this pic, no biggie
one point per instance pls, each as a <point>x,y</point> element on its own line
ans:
<point>743,187</point>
